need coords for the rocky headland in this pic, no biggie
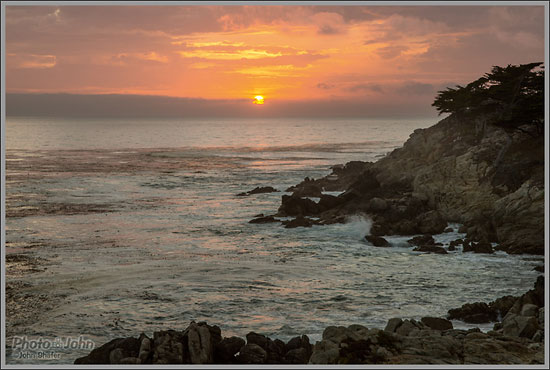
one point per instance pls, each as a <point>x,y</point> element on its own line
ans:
<point>487,178</point>
<point>518,338</point>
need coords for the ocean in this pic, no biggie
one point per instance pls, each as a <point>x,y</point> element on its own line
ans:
<point>123,226</point>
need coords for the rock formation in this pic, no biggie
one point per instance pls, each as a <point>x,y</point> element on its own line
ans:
<point>489,179</point>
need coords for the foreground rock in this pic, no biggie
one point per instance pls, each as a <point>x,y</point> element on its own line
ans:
<point>518,339</point>
<point>521,316</point>
<point>429,341</point>
<point>200,343</point>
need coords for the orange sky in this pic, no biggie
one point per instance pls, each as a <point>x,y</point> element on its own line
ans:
<point>375,54</point>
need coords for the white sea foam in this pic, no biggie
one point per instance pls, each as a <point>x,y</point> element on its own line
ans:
<point>359,225</point>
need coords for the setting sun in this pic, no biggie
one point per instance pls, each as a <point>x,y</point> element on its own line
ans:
<point>258,99</point>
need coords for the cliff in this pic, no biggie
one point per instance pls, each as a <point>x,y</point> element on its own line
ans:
<point>489,178</point>
<point>480,175</point>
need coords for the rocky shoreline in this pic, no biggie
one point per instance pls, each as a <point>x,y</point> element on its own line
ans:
<point>517,339</point>
<point>460,170</point>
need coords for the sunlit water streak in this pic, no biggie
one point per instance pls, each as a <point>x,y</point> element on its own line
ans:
<point>175,245</point>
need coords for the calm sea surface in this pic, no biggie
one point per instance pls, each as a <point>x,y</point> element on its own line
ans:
<point>135,226</point>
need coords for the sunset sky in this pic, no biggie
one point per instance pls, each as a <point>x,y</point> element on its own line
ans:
<point>379,58</point>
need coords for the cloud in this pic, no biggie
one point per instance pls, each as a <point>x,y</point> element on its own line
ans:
<point>288,70</point>
<point>280,51</point>
<point>123,59</point>
<point>328,30</point>
<point>229,55</point>
<point>329,23</point>
<point>416,88</point>
<point>31,61</point>
<point>365,87</point>
<point>390,52</point>
<point>325,86</point>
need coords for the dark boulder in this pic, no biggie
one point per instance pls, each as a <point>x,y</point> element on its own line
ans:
<point>377,205</point>
<point>259,339</point>
<point>297,356</point>
<point>308,189</point>
<point>437,323</point>
<point>123,347</point>
<point>404,227</point>
<point>379,229</point>
<point>481,247</point>
<point>298,342</point>
<point>294,206</point>
<point>170,347</point>
<point>358,352</point>
<point>252,354</point>
<point>328,202</point>
<point>502,305</point>
<point>431,222</point>
<point>537,249</point>
<point>474,313</point>
<point>274,349</point>
<point>377,241</point>
<point>226,349</point>
<point>422,240</point>
<point>366,183</point>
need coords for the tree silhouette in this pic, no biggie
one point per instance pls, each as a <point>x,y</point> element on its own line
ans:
<point>510,97</point>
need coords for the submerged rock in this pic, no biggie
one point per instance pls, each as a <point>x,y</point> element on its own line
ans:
<point>263,220</point>
<point>258,190</point>
<point>430,249</point>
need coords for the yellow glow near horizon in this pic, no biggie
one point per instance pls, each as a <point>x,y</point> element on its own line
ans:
<point>384,56</point>
<point>258,99</point>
